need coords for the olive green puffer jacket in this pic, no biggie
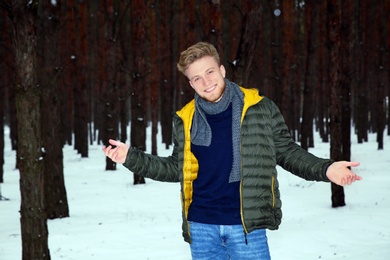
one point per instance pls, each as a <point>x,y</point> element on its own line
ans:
<point>265,142</point>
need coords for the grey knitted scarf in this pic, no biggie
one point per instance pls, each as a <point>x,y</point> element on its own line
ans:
<point>201,132</point>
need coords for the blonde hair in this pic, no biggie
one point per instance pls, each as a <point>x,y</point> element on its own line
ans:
<point>196,52</point>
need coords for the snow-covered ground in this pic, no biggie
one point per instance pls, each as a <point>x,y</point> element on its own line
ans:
<point>110,218</point>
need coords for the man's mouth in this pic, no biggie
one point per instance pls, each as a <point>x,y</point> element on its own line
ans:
<point>210,89</point>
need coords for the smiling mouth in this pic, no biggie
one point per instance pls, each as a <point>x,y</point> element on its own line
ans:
<point>210,89</point>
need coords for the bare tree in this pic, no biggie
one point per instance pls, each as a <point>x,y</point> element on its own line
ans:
<point>311,76</point>
<point>166,74</point>
<point>138,115</point>
<point>340,48</point>
<point>322,97</point>
<point>250,31</point>
<point>287,9</point>
<point>154,77</point>
<point>30,146</point>
<point>380,72</point>
<point>3,86</point>
<point>49,68</point>
<point>361,58</point>
<point>81,86</point>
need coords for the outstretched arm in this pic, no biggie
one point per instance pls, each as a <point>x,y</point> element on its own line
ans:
<point>117,154</point>
<point>340,174</point>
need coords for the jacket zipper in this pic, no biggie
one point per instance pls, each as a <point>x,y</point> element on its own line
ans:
<point>273,191</point>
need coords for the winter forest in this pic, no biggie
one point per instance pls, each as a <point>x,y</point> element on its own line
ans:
<point>77,72</point>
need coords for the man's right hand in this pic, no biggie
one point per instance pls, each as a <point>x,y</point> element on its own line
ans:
<point>117,154</point>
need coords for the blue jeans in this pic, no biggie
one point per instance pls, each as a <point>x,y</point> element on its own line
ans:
<point>214,242</point>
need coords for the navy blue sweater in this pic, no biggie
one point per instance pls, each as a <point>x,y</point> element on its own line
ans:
<point>215,200</point>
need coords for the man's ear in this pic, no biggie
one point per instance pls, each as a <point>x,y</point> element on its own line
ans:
<point>223,70</point>
<point>191,84</point>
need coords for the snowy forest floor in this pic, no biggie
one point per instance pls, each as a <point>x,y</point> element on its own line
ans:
<point>110,218</point>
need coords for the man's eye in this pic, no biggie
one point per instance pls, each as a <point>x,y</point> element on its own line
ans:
<point>196,79</point>
<point>210,71</point>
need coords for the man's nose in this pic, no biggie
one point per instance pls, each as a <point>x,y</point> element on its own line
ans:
<point>206,80</point>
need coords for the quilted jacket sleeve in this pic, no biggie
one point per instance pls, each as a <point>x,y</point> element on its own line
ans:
<point>291,156</point>
<point>158,168</point>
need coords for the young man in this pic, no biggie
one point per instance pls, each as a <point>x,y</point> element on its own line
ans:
<point>227,143</point>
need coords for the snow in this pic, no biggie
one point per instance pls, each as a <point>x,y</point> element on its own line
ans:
<point>110,218</point>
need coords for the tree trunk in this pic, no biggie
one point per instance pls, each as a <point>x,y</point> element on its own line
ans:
<point>2,107</point>
<point>382,48</point>
<point>138,116</point>
<point>80,89</point>
<point>362,108</point>
<point>110,95</point>
<point>69,60</point>
<point>30,146</point>
<point>186,25</point>
<point>340,47</point>
<point>336,152</point>
<point>323,76</point>
<point>311,79</point>
<point>250,32</point>
<point>154,77</point>
<point>287,8</point>
<point>56,202</point>
<point>166,75</point>
<point>3,86</point>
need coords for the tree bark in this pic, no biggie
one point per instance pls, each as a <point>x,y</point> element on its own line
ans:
<point>154,77</point>
<point>138,116</point>
<point>250,32</point>
<point>340,47</point>
<point>311,78</point>
<point>56,202</point>
<point>30,146</point>
<point>287,9</point>
<point>80,89</point>
<point>166,74</point>
<point>110,95</point>
<point>382,48</point>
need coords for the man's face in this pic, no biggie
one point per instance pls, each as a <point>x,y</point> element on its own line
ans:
<point>207,78</point>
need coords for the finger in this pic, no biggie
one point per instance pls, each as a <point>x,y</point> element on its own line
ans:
<point>108,151</point>
<point>352,164</point>
<point>114,142</point>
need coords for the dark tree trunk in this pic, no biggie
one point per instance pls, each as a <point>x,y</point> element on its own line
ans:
<point>30,146</point>
<point>102,78</point>
<point>138,115</point>
<point>382,48</point>
<point>323,76</point>
<point>299,64</point>
<point>387,8</point>
<point>123,79</point>
<point>250,32</point>
<point>340,48</point>
<point>345,77</point>
<point>2,107</point>
<point>336,152</point>
<point>110,95</point>
<point>233,16</point>
<point>362,108</point>
<point>56,202</point>
<point>211,24</point>
<point>166,82</point>
<point>69,60</point>
<point>186,20</point>
<point>3,86</point>
<point>154,77</point>
<point>311,79</point>
<point>287,86</point>
<point>80,90</point>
